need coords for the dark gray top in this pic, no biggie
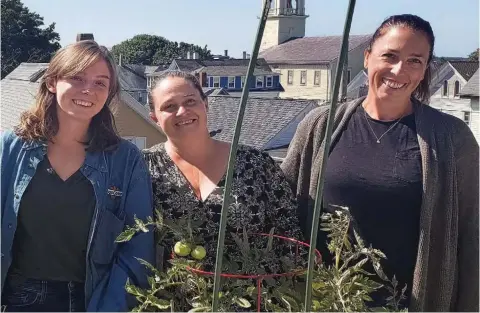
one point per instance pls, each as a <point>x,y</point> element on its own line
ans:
<point>53,226</point>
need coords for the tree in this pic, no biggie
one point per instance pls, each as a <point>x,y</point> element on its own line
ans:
<point>24,37</point>
<point>474,55</point>
<point>154,50</point>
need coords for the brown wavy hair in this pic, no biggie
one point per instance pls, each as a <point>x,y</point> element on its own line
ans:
<point>41,123</point>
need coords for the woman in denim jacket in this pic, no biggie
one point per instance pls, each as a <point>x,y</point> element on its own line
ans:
<point>70,185</point>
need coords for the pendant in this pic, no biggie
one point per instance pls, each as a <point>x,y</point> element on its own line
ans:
<point>378,141</point>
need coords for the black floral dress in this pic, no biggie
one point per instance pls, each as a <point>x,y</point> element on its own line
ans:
<point>261,199</point>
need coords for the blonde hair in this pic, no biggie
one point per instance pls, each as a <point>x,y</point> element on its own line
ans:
<point>41,124</point>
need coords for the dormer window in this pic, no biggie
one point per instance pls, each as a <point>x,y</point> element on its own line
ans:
<point>456,91</point>
<point>269,81</point>
<point>259,83</point>
<point>445,89</point>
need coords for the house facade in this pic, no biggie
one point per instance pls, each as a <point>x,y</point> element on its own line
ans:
<point>226,73</point>
<point>306,65</point>
<point>471,92</point>
<point>451,77</point>
<point>447,84</point>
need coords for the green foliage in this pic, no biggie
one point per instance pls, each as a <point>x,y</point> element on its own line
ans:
<point>154,50</point>
<point>344,286</point>
<point>24,37</point>
<point>474,55</point>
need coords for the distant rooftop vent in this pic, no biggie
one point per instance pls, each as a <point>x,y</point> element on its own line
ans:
<point>84,36</point>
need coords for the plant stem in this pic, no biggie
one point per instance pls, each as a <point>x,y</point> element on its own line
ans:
<point>325,152</point>
<point>233,155</point>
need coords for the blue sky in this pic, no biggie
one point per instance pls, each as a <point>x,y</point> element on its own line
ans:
<point>231,24</point>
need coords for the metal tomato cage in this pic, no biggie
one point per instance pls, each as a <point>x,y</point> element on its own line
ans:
<point>326,147</point>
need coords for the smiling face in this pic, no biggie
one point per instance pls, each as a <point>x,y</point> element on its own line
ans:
<point>396,63</point>
<point>179,109</point>
<point>83,95</point>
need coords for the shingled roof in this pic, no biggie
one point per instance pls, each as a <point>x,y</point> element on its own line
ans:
<point>471,87</point>
<point>214,91</point>
<point>311,50</point>
<point>263,119</point>
<point>222,67</point>
<point>465,68</point>
<point>28,71</point>
<point>130,79</point>
<point>17,96</point>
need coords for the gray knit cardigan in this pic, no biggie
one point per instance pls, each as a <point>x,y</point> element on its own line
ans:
<point>446,276</point>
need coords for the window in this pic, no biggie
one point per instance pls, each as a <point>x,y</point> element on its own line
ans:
<point>456,91</point>
<point>303,77</point>
<point>269,82</point>
<point>290,77</point>
<point>259,83</point>
<point>140,142</point>
<point>349,76</point>
<point>140,97</point>
<point>149,82</point>
<point>216,81</point>
<point>445,89</point>
<point>316,78</point>
<point>231,82</point>
<point>243,81</point>
<point>466,117</point>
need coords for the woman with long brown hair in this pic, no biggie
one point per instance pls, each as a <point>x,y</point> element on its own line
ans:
<point>70,184</point>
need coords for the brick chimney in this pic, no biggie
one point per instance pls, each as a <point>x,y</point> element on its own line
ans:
<point>244,55</point>
<point>226,53</point>
<point>84,36</point>
<point>202,78</point>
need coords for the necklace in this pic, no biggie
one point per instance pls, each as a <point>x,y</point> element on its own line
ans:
<point>390,128</point>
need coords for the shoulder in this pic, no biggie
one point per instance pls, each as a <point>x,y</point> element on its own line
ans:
<point>125,157</point>
<point>10,141</point>
<point>127,148</point>
<point>316,119</point>
<point>437,119</point>
<point>154,150</point>
<point>447,125</point>
<point>258,158</point>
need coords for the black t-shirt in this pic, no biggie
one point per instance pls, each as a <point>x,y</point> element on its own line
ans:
<point>53,225</point>
<point>381,184</point>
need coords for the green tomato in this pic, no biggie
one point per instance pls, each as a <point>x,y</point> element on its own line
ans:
<point>198,253</point>
<point>182,248</point>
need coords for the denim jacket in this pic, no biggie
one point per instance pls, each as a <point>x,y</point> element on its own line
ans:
<point>122,190</point>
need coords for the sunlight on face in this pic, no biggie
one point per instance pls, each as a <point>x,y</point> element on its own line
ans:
<point>397,63</point>
<point>179,109</point>
<point>83,95</point>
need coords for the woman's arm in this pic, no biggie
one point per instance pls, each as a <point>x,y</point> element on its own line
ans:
<point>138,203</point>
<point>467,174</point>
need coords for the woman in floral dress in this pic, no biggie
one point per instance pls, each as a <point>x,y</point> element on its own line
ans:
<point>189,170</point>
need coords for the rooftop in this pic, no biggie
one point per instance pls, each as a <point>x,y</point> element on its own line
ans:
<point>471,88</point>
<point>465,68</point>
<point>311,50</point>
<point>222,67</point>
<point>263,119</point>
